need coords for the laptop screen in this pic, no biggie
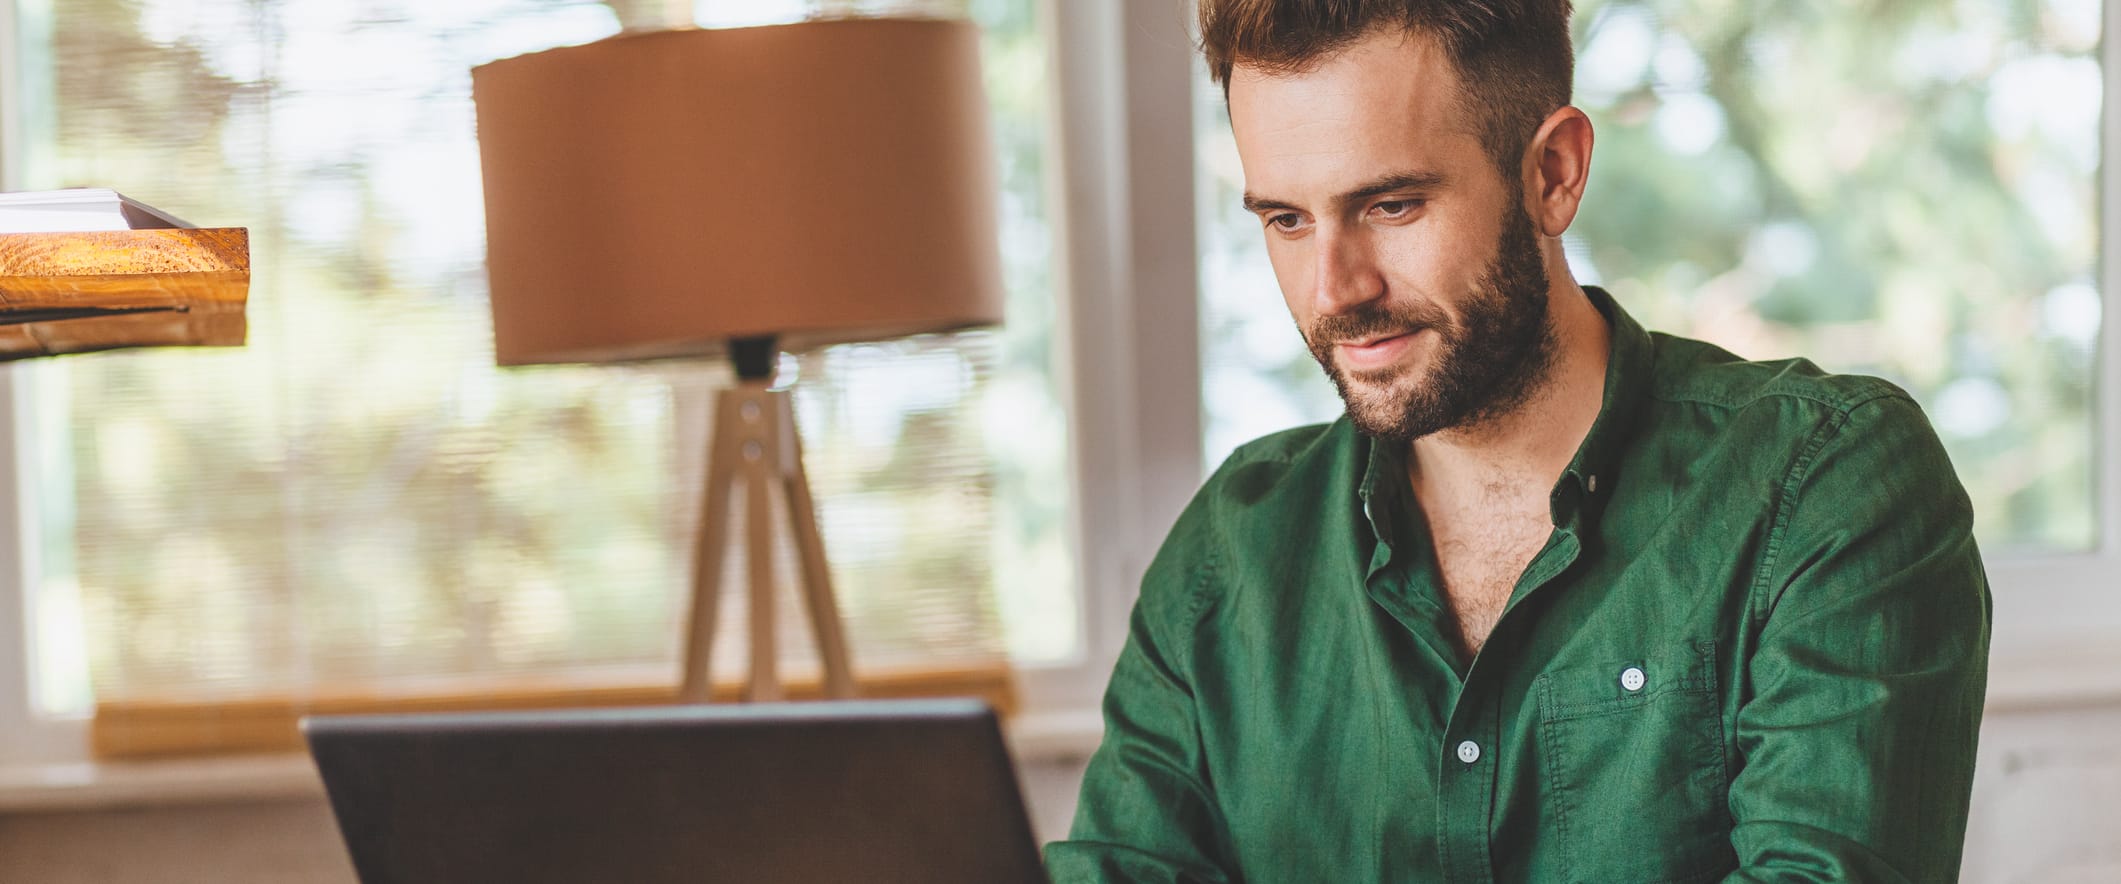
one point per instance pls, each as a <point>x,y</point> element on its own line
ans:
<point>871,791</point>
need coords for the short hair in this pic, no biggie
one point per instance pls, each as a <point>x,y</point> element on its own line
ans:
<point>1513,56</point>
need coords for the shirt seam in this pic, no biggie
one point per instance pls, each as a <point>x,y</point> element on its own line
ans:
<point>1786,499</point>
<point>1197,599</point>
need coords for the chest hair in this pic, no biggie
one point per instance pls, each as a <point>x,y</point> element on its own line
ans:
<point>1482,546</point>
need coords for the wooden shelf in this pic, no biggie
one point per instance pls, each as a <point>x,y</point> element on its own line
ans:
<point>108,290</point>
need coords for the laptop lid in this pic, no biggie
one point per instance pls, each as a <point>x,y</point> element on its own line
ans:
<point>870,791</point>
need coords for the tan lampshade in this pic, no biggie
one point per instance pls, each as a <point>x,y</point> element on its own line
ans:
<point>656,194</point>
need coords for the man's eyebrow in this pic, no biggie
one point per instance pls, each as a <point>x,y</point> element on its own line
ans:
<point>1258,204</point>
<point>1396,181</point>
<point>1388,183</point>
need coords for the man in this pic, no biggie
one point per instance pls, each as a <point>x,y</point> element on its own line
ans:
<point>1558,599</point>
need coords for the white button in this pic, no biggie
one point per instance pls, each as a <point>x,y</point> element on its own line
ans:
<point>1591,485</point>
<point>1468,752</point>
<point>1632,679</point>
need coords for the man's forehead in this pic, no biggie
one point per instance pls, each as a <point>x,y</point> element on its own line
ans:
<point>1390,100</point>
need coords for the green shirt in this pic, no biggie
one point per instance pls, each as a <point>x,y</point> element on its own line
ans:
<point>1754,648</point>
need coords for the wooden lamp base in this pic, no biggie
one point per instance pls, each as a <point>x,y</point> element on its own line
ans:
<point>755,442</point>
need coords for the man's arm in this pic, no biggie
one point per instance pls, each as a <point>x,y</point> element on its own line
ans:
<point>1146,815</point>
<point>1857,734</point>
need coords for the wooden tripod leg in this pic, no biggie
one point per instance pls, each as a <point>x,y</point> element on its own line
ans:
<point>709,541</point>
<point>760,454</point>
<point>816,570</point>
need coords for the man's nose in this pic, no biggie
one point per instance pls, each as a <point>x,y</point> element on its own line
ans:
<point>1346,274</point>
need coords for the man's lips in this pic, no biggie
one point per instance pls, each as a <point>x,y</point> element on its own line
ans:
<point>1374,351</point>
<point>1374,340</point>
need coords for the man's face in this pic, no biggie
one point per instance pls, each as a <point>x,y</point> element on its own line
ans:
<point>1405,256</point>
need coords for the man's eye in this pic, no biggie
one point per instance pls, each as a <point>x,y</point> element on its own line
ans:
<point>1286,221</point>
<point>1396,208</point>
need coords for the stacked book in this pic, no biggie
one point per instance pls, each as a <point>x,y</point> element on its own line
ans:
<point>89,269</point>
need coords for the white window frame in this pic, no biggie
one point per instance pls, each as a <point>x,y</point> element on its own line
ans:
<point>1126,263</point>
<point>25,736</point>
<point>1125,270</point>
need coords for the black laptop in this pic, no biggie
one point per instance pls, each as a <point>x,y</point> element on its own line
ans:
<point>920,792</point>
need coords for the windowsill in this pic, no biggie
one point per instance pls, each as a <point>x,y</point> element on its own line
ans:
<point>1034,738</point>
<point>2023,685</point>
<point>2061,677</point>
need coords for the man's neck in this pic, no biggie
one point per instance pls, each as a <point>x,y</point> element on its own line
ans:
<point>1530,445</point>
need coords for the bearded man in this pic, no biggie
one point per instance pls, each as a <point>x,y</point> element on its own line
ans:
<point>1558,599</point>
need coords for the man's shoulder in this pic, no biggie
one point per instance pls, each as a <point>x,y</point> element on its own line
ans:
<point>1272,498</point>
<point>1840,432</point>
<point>1294,444</point>
<point>1296,459</point>
<point>1269,483</point>
<point>1691,373</point>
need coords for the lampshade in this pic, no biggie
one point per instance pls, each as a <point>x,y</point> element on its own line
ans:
<point>657,194</point>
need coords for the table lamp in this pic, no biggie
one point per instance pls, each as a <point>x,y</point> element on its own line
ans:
<point>735,193</point>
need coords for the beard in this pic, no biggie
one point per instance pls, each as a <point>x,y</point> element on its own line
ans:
<point>1488,362</point>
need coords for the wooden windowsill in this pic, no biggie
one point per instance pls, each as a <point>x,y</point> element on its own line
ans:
<point>131,730</point>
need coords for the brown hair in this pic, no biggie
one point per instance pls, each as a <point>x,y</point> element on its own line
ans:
<point>1513,56</point>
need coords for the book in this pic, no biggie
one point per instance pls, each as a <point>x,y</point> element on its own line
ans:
<point>90,269</point>
<point>78,209</point>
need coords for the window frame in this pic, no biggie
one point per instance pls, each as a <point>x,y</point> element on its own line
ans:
<point>1121,176</point>
<point>1122,115</point>
<point>25,736</point>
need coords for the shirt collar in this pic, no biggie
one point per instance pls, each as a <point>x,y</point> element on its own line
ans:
<point>1385,473</point>
<point>1594,472</point>
<point>1591,475</point>
<point>1384,496</point>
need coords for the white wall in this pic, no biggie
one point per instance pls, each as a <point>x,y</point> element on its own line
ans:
<point>2047,798</point>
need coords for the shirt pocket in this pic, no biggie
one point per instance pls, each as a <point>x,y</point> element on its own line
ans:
<point>1632,755</point>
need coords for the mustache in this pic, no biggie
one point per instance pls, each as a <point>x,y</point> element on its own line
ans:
<point>1373,320</point>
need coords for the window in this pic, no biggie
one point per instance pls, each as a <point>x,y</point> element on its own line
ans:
<point>1101,142</point>
<point>359,497</point>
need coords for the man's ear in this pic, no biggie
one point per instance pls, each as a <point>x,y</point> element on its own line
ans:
<point>1557,166</point>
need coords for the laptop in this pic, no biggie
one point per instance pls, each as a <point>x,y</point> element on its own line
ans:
<point>920,792</point>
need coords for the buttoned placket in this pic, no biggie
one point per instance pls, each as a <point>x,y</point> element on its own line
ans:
<point>1470,754</point>
<point>1467,805</point>
<point>1469,758</point>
